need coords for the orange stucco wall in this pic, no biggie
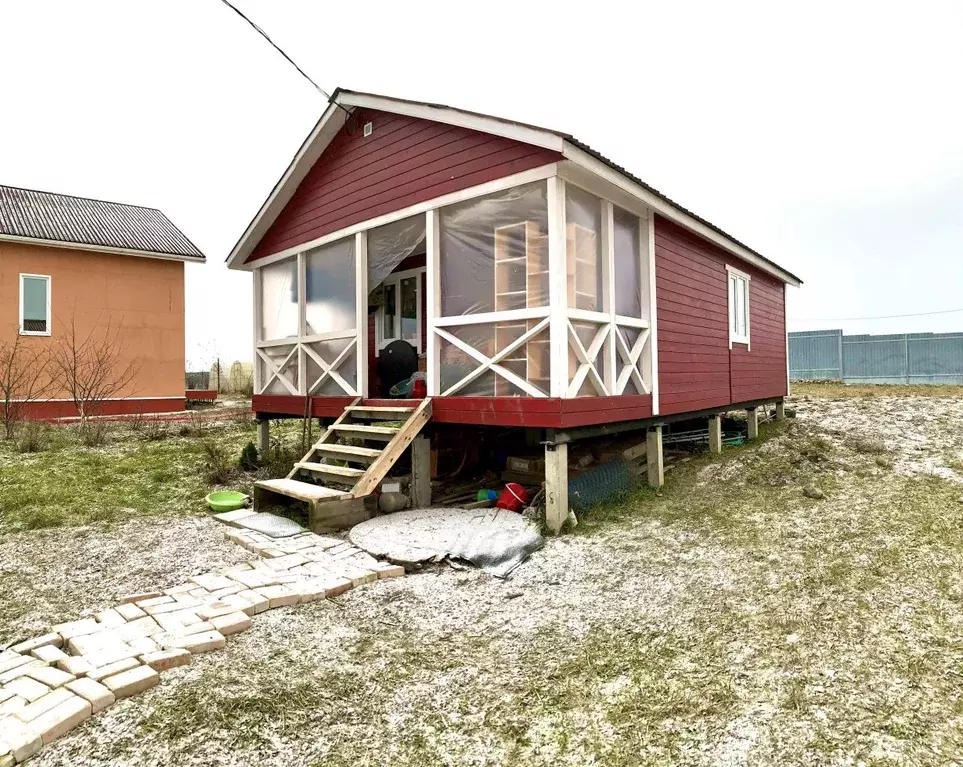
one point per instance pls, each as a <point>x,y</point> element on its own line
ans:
<point>142,296</point>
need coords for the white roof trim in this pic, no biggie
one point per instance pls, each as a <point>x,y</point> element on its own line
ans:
<point>334,117</point>
<point>671,212</point>
<point>495,126</point>
<point>99,248</point>
<point>314,145</point>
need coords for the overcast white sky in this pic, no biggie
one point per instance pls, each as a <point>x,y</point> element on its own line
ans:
<point>828,136</point>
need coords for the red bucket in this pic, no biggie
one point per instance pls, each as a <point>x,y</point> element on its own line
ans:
<point>513,497</point>
<point>419,389</point>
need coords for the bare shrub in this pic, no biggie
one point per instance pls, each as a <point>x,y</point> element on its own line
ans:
<point>155,430</point>
<point>33,437</point>
<point>23,380</point>
<point>95,433</point>
<point>218,467</point>
<point>92,368</point>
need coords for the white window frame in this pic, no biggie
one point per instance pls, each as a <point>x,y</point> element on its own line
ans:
<point>733,278</point>
<point>23,331</point>
<point>395,279</point>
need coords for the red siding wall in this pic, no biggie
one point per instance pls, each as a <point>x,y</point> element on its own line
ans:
<point>697,370</point>
<point>403,162</point>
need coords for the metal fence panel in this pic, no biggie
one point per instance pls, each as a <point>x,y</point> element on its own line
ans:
<point>927,358</point>
<point>814,355</point>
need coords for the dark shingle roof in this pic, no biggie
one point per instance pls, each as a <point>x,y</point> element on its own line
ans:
<point>83,221</point>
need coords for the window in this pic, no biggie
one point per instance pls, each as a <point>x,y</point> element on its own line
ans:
<point>738,307</point>
<point>400,313</point>
<point>34,305</point>
<point>279,300</point>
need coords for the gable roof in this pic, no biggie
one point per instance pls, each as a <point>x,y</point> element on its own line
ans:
<point>62,220</point>
<point>343,100</point>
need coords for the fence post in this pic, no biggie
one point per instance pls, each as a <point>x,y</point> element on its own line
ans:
<point>842,374</point>
<point>906,366</point>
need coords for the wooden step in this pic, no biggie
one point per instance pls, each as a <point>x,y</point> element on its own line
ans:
<point>380,413</point>
<point>348,452</point>
<point>377,433</point>
<point>330,470</point>
<point>302,491</point>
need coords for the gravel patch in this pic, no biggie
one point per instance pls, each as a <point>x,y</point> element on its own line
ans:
<point>55,575</point>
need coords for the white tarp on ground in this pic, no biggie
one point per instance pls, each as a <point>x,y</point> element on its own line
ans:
<point>495,540</point>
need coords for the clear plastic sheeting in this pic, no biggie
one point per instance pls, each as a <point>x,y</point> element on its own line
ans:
<point>391,244</point>
<point>279,300</point>
<point>587,332</point>
<point>583,248</point>
<point>494,252</point>
<point>528,360</point>
<point>628,264</point>
<point>329,289</point>
<point>347,368</point>
<point>629,336</point>
<point>281,358</point>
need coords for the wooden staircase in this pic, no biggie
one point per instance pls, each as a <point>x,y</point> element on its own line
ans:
<point>336,469</point>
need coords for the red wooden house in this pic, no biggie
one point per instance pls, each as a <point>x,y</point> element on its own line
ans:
<point>540,284</point>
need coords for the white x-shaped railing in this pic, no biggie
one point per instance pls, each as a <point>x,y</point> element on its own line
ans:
<point>277,371</point>
<point>589,362</point>
<point>491,363</point>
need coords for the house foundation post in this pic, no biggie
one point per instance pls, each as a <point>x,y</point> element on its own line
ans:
<point>752,418</point>
<point>556,485</point>
<point>715,433</point>
<point>781,410</point>
<point>420,472</point>
<point>653,455</point>
<point>263,438</point>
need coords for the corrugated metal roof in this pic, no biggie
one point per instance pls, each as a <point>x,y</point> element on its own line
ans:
<point>83,221</point>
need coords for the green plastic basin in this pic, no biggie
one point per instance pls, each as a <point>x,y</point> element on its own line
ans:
<point>226,500</point>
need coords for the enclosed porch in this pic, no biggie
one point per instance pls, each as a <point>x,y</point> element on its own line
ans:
<point>527,301</point>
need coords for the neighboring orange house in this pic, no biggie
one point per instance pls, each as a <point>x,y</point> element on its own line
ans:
<point>97,264</point>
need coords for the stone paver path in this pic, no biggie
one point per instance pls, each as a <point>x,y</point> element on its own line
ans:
<point>51,683</point>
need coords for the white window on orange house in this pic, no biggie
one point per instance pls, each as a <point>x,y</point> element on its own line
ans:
<point>34,305</point>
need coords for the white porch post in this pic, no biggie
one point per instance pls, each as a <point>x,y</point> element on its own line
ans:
<point>433,301</point>
<point>361,299</point>
<point>608,292</point>
<point>650,355</point>
<point>258,365</point>
<point>302,324</point>
<point>558,287</point>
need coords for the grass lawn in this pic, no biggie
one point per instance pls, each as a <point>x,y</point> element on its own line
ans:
<point>737,617</point>
<point>140,471</point>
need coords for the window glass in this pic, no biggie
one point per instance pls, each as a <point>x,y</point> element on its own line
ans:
<point>738,308</point>
<point>390,312</point>
<point>583,248</point>
<point>494,252</point>
<point>628,265</point>
<point>409,310</point>
<point>330,288</point>
<point>34,319</point>
<point>279,300</point>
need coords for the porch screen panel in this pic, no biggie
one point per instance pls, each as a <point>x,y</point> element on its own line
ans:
<point>279,300</point>
<point>628,264</point>
<point>517,355</point>
<point>493,269</point>
<point>329,289</point>
<point>391,244</point>
<point>583,250</point>
<point>494,252</point>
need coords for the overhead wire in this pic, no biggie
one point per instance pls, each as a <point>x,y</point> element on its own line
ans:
<point>883,317</point>
<point>280,50</point>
